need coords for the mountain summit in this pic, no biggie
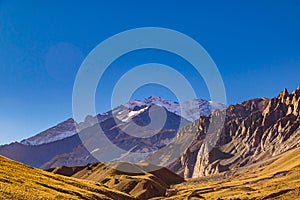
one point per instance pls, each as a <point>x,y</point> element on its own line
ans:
<point>190,110</point>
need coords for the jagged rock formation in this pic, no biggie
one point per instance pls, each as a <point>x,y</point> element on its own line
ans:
<point>254,130</point>
<point>275,178</point>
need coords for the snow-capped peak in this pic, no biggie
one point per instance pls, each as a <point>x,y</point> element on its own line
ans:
<point>190,110</point>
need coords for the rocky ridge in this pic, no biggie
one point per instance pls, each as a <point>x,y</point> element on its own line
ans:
<point>253,131</point>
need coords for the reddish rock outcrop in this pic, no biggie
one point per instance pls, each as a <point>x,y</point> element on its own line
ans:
<point>254,130</point>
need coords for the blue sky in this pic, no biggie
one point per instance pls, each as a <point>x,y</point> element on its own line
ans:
<point>255,45</point>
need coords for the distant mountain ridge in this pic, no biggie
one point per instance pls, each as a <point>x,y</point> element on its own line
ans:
<point>191,110</point>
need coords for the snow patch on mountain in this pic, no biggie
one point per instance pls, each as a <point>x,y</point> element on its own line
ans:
<point>132,114</point>
<point>65,129</point>
<point>44,140</point>
<point>58,132</point>
<point>190,110</point>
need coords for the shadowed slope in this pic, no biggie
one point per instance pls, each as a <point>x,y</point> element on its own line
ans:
<point>141,184</point>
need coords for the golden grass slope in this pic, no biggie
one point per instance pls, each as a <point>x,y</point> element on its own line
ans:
<point>278,178</point>
<point>18,181</point>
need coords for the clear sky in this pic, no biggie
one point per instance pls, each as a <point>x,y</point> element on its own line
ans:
<point>255,44</point>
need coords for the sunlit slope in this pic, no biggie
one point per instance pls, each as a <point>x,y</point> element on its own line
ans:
<point>18,181</point>
<point>278,178</point>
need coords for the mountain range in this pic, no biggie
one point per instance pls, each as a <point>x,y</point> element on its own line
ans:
<point>254,156</point>
<point>61,144</point>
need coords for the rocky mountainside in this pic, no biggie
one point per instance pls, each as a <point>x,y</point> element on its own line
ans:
<point>254,130</point>
<point>117,133</point>
<point>274,178</point>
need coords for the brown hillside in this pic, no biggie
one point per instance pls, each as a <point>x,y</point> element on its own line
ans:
<point>18,181</point>
<point>141,184</point>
